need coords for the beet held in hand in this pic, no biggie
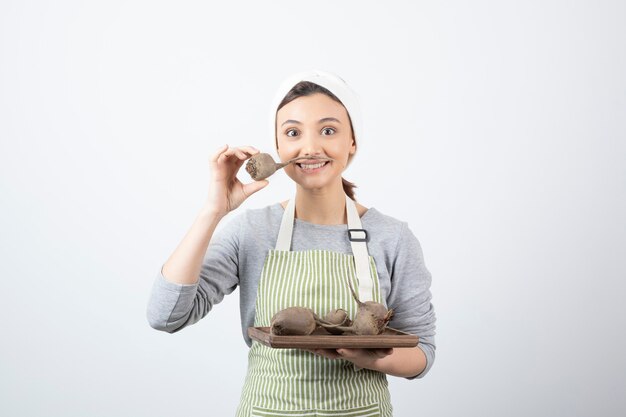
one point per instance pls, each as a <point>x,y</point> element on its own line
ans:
<point>262,165</point>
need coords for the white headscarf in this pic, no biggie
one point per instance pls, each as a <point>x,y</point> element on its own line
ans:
<point>332,83</point>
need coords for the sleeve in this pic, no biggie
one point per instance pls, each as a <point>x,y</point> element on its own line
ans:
<point>410,295</point>
<point>173,306</point>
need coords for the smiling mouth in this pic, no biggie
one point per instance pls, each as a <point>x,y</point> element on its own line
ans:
<point>311,167</point>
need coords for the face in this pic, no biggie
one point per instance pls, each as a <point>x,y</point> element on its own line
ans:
<point>317,126</point>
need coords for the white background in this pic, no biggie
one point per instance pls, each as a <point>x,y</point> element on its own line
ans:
<point>495,128</point>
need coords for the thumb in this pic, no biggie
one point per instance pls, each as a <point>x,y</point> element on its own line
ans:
<point>253,187</point>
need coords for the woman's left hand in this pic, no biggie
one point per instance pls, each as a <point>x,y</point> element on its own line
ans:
<point>363,358</point>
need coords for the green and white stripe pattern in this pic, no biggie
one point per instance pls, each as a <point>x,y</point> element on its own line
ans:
<point>294,382</point>
<point>372,410</point>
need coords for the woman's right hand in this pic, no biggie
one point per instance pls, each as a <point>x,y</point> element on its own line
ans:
<point>226,192</point>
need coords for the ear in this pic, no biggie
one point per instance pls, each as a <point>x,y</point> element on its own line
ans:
<point>353,147</point>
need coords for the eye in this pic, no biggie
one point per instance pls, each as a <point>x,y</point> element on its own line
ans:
<point>291,132</point>
<point>328,131</point>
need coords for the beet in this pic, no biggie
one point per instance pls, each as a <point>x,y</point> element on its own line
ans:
<point>301,321</point>
<point>262,165</point>
<point>293,321</point>
<point>371,317</point>
<point>335,318</point>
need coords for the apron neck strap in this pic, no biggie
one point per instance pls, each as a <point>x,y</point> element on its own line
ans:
<point>356,234</point>
<point>286,227</point>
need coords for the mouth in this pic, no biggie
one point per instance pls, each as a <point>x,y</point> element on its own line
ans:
<point>312,166</point>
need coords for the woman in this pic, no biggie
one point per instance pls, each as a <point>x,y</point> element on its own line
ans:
<point>299,252</point>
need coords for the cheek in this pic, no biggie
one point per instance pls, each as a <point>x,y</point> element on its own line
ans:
<point>283,154</point>
<point>286,150</point>
<point>342,151</point>
<point>290,170</point>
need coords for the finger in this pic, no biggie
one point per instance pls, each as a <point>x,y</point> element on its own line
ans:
<point>249,149</point>
<point>381,353</point>
<point>223,158</point>
<point>253,187</point>
<point>227,154</point>
<point>348,353</point>
<point>230,151</point>
<point>327,353</point>
<point>245,152</point>
<point>218,153</point>
<point>236,151</point>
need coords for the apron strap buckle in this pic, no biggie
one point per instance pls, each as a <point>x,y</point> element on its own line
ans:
<point>362,238</point>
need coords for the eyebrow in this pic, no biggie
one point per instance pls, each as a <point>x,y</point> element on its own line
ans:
<point>325,119</point>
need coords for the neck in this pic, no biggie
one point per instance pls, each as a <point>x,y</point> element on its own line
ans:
<point>324,206</point>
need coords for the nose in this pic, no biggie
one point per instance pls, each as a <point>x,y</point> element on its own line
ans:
<point>311,144</point>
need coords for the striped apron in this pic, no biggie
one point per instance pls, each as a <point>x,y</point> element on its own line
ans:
<point>294,382</point>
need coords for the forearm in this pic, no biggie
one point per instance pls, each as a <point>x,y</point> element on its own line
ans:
<point>185,263</point>
<point>403,362</point>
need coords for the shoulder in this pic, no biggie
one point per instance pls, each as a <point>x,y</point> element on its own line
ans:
<point>391,234</point>
<point>249,229</point>
<point>262,215</point>
<point>250,220</point>
<point>383,222</point>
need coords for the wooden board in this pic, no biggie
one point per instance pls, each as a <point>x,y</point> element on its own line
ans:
<point>321,339</point>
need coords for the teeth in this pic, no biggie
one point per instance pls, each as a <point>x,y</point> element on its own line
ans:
<point>313,166</point>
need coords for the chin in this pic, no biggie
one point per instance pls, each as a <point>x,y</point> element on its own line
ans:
<point>313,185</point>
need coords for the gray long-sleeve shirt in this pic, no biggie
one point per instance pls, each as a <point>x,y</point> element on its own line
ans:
<point>237,251</point>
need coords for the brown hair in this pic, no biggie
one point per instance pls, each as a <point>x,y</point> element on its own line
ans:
<point>307,88</point>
